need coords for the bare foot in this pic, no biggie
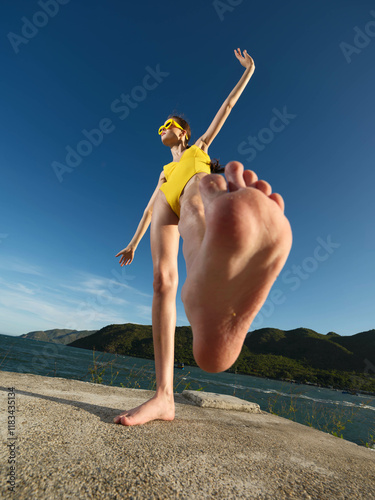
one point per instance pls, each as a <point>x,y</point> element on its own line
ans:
<point>245,246</point>
<point>157,408</point>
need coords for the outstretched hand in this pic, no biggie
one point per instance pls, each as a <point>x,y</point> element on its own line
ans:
<point>127,255</point>
<point>245,59</point>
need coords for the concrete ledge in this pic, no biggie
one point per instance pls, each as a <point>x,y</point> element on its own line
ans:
<point>67,446</point>
<point>222,401</point>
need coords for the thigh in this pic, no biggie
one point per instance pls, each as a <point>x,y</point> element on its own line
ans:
<point>164,234</point>
<point>191,197</point>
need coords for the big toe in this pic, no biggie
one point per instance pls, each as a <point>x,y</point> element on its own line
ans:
<point>117,420</point>
<point>211,185</point>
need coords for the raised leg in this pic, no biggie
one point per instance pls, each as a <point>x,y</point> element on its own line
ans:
<point>192,225</point>
<point>164,249</point>
<point>245,245</point>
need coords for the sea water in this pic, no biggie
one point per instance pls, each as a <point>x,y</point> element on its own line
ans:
<point>346,415</point>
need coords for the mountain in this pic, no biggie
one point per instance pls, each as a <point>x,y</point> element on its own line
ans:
<point>331,351</point>
<point>136,340</point>
<point>300,354</point>
<point>362,344</point>
<point>58,336</point>
<point>316,350</point>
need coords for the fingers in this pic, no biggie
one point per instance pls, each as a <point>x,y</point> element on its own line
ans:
<point>125,259</point>
<point>238,52</point>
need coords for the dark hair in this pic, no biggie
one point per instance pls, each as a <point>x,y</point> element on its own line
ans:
<point>214,165</point>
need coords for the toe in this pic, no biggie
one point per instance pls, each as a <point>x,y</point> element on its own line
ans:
<point>250,177</point>
<point>117,420</point>
<point>212,184</point>
<point>263,186</point>
<point>122,419</point>
<point>278,199</point>
<point>234,175</point>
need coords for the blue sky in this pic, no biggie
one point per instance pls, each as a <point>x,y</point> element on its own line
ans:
<point>64,68</point>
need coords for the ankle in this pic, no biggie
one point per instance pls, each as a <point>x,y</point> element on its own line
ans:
<point>165,393</point>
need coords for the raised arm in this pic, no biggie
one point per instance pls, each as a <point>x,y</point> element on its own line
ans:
<point>223,113</point>
<point>127,254</point>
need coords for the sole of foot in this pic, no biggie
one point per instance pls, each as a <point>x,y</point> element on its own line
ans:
<point>245,246</point>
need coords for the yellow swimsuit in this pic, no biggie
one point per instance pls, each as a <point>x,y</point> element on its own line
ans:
<point>178,173</point>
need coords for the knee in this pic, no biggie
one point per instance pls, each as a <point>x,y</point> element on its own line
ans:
<point>165,281</point>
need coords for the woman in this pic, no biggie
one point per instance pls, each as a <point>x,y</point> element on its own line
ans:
<point>234,244</point>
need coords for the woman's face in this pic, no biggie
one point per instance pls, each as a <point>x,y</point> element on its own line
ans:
<point>172,134</point>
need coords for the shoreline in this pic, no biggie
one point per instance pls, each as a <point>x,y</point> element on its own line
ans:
<point>331,388</point>
<point>350,389</point>
<point>290,381</point>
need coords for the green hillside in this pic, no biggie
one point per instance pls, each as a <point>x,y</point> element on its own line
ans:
<point>58,336</point>
<point>301,354</point>
<point>362,344</point>
<point>136,340</point>
<point>316,350</point>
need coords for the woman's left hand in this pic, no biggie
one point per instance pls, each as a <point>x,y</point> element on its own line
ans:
<point>245,60</point>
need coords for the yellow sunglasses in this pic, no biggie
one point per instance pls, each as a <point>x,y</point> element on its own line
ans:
<point>168,124</point>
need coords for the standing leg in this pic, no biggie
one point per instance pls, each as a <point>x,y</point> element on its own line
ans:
<point>231,269</point>
<point>164,249</point>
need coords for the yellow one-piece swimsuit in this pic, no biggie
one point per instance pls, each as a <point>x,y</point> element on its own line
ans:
<point>178,174</point>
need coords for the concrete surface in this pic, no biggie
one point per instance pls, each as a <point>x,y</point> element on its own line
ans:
<point>222,401</point>
<point>67,447</point>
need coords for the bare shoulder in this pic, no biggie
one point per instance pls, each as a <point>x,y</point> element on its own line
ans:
<point>202,145</point>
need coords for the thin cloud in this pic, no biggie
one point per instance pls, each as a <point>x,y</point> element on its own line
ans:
<point>144,311</point>
<point>93,284</point>
<point>18,265</point>
<point>79,300</point>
